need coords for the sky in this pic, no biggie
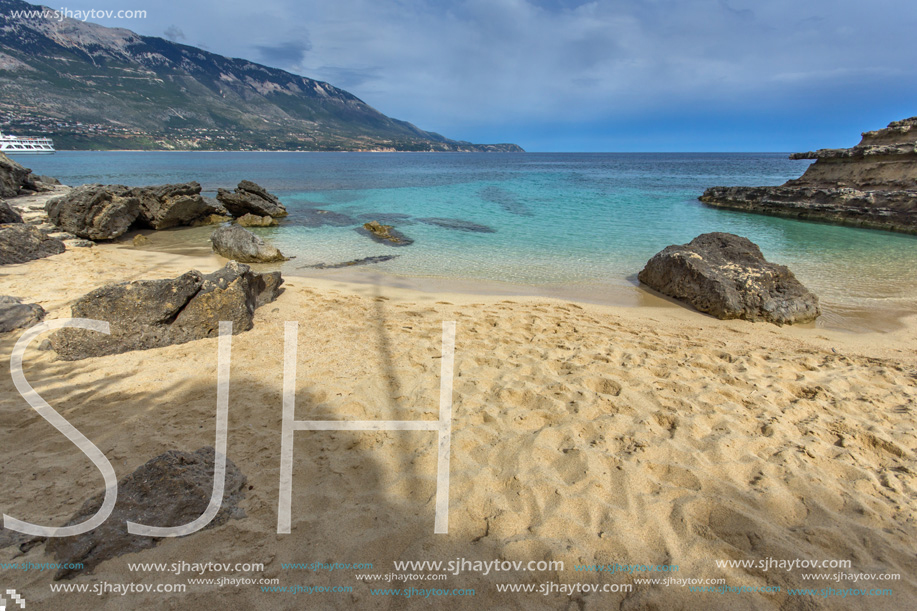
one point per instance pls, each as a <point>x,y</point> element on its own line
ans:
<point>572,75</point>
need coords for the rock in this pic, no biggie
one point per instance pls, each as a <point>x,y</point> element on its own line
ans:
<point>153,313</point>
<point>386,234</point>
<point>457,224</point>
<point>727,276</point>
<point>140,240</point>
<point>172,489</point>
<point>95,212</point>
<point>251,198</point>
<point>873,184</point>
<point>17,315</point>
<point>8,215</point>
<point>252,220</point>
<point>21,243</point>
<point>174,205</point>
<point>238,244</point>
<point>363,261</point>
<point>213,219</point>
<point>13,177</point>
<point>79,243</point>
<point>45,180</point>
<point>314,217</point>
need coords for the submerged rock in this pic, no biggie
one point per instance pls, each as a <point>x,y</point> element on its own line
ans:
<point>873,184</point>
<point>385,234</point>
<point>507,200</point>
<point>148,314</point>
<point>253,220</point>
<point>172,489</point>
<point>363,261</point>
<point>250,197</point>
<point>726,275</point>
<point>95,212</point>
<point>21,243</point>
<point>17,315</point>
<point>457,224</point>
<point>239,244</point>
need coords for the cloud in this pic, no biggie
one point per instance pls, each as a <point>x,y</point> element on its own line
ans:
<point>289,53</point>
<point>174,34</point>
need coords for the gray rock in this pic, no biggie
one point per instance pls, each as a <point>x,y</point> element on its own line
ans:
<point>95,212</point>
<point>251,198</point>
<point>457,224</point>
<point>79,243</point>
<point>253,220</point>
<point>727,276</point>
<point>17,315</point>
<point>239,244</point>
<point>12,177</point>
<point>172,489</point>
<point>153,313</point>
<point>174,205</point>
<point>9,215</point>
<point>21,243</point>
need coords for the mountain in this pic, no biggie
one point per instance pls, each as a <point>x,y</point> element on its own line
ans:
<point>93,87</point>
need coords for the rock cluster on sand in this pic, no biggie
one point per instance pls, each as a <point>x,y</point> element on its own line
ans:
<point>385,234</point>
<point>239,244</point>
<point>17,315</point>
<point>873,184</point>
<point>251,198</point>
<point>20,243</point>
<point>172,489</point>
<point>253,220</point>
<point>726,275</point>
<point>153,313</point>
<point>8,215</point>
<point>105,212</point>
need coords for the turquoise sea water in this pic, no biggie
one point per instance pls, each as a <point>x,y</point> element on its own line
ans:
<point>583,223</point>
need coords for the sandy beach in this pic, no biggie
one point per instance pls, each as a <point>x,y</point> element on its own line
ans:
<point>581,433</point>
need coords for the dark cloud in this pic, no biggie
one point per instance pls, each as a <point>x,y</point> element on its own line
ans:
<point>290,53</point>
<point>174,34</point>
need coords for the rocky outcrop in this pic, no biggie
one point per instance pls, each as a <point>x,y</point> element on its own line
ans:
<point>21,243</point>
<point>165,206</point>
<point>153,313</point>
<point>385,234</point>
<point>726,275</point>
<point>239,244</point>
<point>172,489</point>
<point>104,212</point>
<point>253,220</point>
<point>873,184</point>
<point>251,198</point>
<point>13,177</point>
<point>8,215</point>
<point>95,212</point>
<point>17,315</point>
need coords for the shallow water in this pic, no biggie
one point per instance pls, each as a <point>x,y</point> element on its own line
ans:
<point>577,224</point>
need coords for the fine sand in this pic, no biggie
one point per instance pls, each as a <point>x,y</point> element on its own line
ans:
<point>581,433</point>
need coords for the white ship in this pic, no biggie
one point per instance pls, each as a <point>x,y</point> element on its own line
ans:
<point>24,145</point>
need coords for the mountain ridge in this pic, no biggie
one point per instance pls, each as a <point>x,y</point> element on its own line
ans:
<point>89,86</point>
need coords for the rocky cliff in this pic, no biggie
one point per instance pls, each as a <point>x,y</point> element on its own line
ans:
<point>873,184</point>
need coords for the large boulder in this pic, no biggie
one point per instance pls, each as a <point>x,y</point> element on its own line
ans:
<point>172,489</point>
<point>251,198</point>
<point>95,212</point>
<point>12,177</point>
<point>239,244</point>
<point>21,243</point>
<point>17,315</point>
<point>726,275</point>
<point>8,214</point>
<point>175,205</point>
<point>153,313</point>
